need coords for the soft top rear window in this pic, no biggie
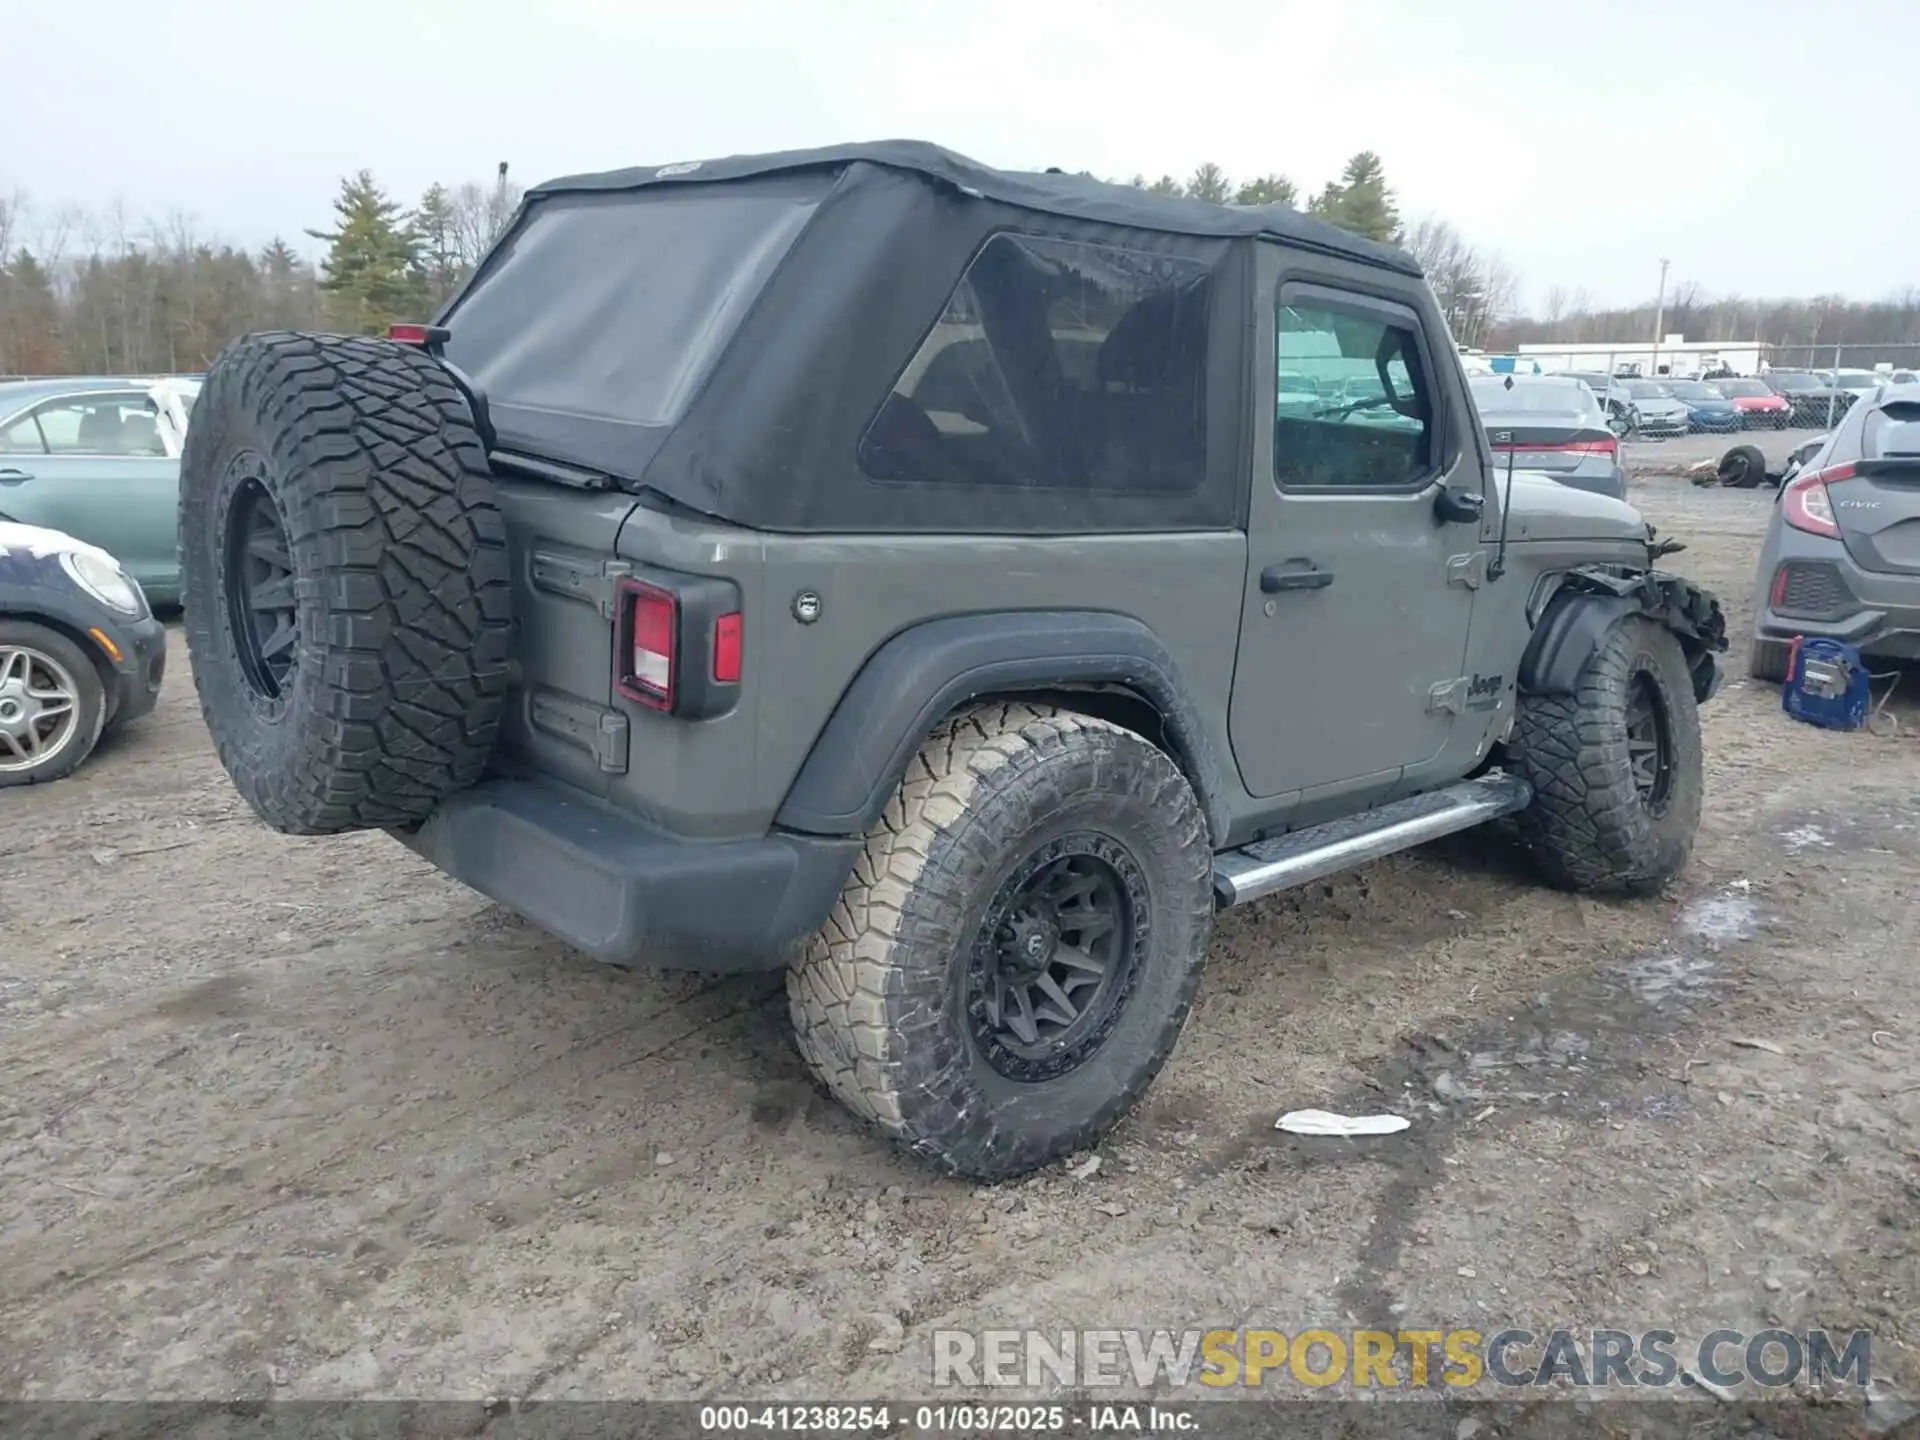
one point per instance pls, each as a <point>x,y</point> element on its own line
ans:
<point>615,307</point>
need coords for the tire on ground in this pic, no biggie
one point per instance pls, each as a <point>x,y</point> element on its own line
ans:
<point>33,645</point>
<point>1768,660</point>
<point>391,553</point>
<point>1589,827</point>
<point>882,1001</point>
<point>1742,468</point>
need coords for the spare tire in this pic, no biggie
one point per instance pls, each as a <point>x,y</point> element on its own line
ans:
<point>1742,468</point>
<point>346,582</point>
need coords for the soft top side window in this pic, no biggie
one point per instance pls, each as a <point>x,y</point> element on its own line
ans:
<point>1056,364</point>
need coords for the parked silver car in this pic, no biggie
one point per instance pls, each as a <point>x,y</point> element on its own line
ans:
<point>1657,411</point>
<point>1552,424</point>
<point>1842,555</point>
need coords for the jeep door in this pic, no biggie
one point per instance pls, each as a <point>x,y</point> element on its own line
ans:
<point>1358,599</point>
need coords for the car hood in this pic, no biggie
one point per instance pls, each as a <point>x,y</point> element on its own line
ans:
<point>1544,509</point>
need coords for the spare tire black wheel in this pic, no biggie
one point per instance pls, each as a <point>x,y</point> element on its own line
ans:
<point>1743,467</point>
<point>345,578</point>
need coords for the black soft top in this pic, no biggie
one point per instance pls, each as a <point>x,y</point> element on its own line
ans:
<point>731,333</point>
<point>1077,197</point>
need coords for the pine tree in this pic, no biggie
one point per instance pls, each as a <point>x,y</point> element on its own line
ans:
<point>1275,189</point>
<point>372,273</point>
<point>1166,185</point>
<point>32,339</point>
<point>1361,200</point>
<point>1209,182</point>
<point>439,230</point>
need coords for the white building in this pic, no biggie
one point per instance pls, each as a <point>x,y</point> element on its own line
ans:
<point>1676,355</point>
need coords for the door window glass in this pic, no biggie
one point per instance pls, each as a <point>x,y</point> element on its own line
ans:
<point>1351,407</point>
<point>126,425</point>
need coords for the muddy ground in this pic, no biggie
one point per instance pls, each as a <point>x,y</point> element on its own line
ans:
<point>302,1118</point>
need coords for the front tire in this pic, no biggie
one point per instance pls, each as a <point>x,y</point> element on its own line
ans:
<point>1017,949</point>
<point>1616,767</point>
<point>52,705</point>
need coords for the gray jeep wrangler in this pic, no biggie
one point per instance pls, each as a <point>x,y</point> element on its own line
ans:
<point>937,582</point>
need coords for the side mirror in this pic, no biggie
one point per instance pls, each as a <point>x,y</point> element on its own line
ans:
<point>1459,507</point>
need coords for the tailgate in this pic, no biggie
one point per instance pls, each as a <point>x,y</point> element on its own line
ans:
<point>561,718</point>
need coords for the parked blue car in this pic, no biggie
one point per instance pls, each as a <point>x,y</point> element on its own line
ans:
<point>1707,408</point>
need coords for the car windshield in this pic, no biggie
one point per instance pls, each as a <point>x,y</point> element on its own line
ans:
<point>1648,390</point>
<point>1856,379</point>
<point>1743,389</point>
<point>1292,382</point>
<point>1566,397</point>
<point>1791,381</point>
<point>1696,390</point>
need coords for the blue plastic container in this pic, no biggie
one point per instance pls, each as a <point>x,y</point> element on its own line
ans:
<point>1827,685</point>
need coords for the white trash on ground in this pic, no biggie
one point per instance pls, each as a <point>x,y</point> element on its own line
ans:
<point>1325,1122</point>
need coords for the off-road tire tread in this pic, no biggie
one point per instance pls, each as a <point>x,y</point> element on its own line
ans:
<point>1586,829</point>
<point>838,990</point>
<point>403,572</point>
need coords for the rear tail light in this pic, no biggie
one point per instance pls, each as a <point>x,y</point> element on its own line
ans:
<point>1806,504</point>
<point>679,644</point>
<point>653,650</point>
<point>1571,447</point>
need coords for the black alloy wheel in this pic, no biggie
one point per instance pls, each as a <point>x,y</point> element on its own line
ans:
<point>261,606</point>
<point>1055,957</point>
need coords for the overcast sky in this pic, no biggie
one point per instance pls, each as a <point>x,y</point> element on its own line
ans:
<point>1763,146</point>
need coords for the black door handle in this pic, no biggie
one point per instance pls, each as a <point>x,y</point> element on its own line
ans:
<point>1276,578</point>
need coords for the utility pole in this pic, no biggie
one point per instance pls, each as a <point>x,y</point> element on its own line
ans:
<point>1659,319</point>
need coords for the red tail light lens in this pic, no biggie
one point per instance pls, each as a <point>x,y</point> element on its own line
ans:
<point>1806,504</point>
<point>407,334</point>
<point>726,649</point>
<point>652,656</point>
<point>1571,447</point>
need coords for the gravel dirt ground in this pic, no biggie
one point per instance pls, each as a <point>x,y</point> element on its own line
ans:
<point>303,1119</point>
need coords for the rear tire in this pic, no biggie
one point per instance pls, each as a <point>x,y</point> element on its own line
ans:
<point>1610,814</point>
<point>345,579</point>
<point>1768,660</point>
<point>1025,846</point>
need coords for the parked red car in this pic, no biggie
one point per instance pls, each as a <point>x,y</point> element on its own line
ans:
<point>1760,406</point>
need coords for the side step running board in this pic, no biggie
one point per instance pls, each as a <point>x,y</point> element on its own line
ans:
<point>1319,850</point>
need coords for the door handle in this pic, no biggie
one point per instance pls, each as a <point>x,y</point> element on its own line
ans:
<point>13,477</point>
<point>1290,576</point>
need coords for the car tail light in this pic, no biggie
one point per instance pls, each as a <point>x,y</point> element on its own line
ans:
<point>1806,504</point>
<point>726,649</point>
<point>652,651</point>
<point>1571,447</point>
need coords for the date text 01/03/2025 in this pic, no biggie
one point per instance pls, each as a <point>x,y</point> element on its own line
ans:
<point>967,1419</point>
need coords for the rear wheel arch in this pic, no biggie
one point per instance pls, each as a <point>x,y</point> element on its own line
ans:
<point>1106,665</point>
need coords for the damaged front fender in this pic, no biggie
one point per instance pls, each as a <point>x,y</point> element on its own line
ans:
<point>1591,600</point>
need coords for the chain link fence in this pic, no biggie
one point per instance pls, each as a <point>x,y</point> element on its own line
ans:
<point>1659,391</point>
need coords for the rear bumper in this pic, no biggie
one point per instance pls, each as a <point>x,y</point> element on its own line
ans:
<point>628,893</point>
<point>1879,613</point>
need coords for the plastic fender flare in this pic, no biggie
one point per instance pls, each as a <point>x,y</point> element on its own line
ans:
<point>926,671</point>
<point>1589,602</point>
